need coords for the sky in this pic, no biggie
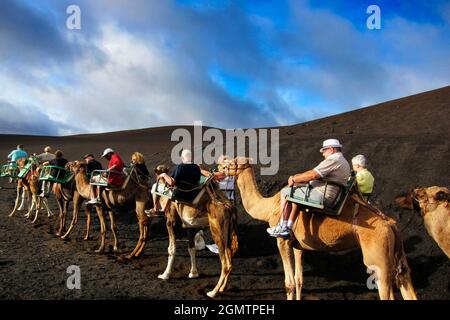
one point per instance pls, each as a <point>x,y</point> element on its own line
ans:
<point>230,64</point>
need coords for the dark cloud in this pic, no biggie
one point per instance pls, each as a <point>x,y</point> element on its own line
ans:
<point>21,119</point>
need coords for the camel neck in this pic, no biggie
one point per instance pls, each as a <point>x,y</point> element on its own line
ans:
<point>82,183</point>
<point>257,206</point>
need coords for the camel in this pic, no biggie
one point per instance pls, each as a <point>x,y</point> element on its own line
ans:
<point>132,196</point>
<point>64,194</point>
<point>359,225</point>
<point>83,189</point>
<point>213,210</point>
<point>433,204</point>
<point>30,184</point>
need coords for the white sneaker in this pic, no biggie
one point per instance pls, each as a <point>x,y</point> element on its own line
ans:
<point>275,229</point>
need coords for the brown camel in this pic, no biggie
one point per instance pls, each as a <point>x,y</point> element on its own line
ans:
<point>132,196</point>
<point>433,203</point>
<point>64,194</point>
<point>30,184</point>
<point>84,190</point>
<point>359,225</point>
<point>215,210</point>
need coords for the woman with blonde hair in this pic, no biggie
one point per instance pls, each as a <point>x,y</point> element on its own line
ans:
<point>138,160</point>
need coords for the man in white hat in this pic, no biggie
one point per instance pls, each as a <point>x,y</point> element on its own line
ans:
<point>115,178</point>
<point>335,168</point>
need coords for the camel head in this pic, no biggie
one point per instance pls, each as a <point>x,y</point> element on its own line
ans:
<point>77,166</point>
<point>233,167</point>
<point>424,199</point>
<point>22,162</point>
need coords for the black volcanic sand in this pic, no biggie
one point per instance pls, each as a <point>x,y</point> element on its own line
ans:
<point>406,141</point>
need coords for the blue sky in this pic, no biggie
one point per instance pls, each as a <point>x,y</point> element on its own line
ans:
<point>230,64</point>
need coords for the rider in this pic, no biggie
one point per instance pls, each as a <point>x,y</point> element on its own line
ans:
<point>46,156</point>
<point>17,154</point>
<point>185,176</point>
<point>364,178</point>
<point>137,159</point>
<point>115,169</point>
<point>334,168</point>
<point>58,161</point>
<point>91,164</point>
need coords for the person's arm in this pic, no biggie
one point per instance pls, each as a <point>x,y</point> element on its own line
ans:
<point>303,177</point>
<point>10,154</point>
<point>168,179</point>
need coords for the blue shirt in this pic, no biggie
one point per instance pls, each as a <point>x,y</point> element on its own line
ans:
<point>17,154</point>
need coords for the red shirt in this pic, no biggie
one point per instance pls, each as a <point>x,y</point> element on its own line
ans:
<point>116,178</point>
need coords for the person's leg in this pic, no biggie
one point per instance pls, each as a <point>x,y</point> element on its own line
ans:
<point>293,215</point>
<point>285,208</point>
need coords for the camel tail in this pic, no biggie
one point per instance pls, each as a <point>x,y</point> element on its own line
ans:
<point>402,271</point>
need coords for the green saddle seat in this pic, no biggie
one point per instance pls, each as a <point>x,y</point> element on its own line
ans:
<point>10,170</point>
<point>25,170</point>
<point>55,174</point>
<point>184,196</point>
<point>335,208</point>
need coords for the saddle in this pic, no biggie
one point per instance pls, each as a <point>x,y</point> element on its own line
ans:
<point>10,170</point>
<point>190,197</point>
<point>55,174</point>
<point>333,209</point>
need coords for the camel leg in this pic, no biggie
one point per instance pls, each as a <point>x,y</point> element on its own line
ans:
<point>31,208</point>
<point>101,217</point>
<point>37,204</point>
<point>143,222</point>
<point>298,273</point>
<point>227,270</point>
<point>192,252</point>
<point>113,229</point>
<point>219,234</point>
<point>25,200</point>
<point>171,250</point>
<point>138,245</point>
<point>47,208</point>
<point>62,217</point>
<point>404,281</point>
<point>88,221</point>
<point>223,271</point>
<point>288,266</point>
<point>16,203</point>
<point>145,233</point>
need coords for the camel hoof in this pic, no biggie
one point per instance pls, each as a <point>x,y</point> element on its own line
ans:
<point>163,276</point>
<point>193,275</point>
<point>100,250</point>
<point>211,294</point>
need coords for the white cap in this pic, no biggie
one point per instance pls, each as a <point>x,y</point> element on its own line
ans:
<point>107,150</point>
<point>359,159</point>
<point>330,143</point>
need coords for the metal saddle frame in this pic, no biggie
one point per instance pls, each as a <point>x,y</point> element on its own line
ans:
<point>336,207</point>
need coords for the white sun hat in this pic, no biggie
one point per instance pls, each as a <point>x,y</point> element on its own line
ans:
<point>107,150</point>
<point>330,143</point>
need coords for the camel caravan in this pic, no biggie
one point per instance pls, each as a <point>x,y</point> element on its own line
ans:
<point>327,209</point>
